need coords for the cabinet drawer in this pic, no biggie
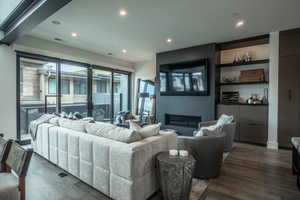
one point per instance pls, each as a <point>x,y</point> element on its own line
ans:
<point>254,114</point>
<point>253,132</point>
<point>228,110</point>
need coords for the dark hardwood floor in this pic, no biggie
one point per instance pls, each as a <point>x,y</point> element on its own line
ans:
<point>255,173</point>
<point>248,173</point>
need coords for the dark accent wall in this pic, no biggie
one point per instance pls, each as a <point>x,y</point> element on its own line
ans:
<point>203,106</point>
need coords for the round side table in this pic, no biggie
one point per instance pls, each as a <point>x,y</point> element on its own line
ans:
<point>175,175</point>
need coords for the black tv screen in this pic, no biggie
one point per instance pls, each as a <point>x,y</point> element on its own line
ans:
<point>186,78</point>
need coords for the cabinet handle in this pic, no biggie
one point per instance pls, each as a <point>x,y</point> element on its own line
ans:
<point>252,124</point>
<point>290,94</point>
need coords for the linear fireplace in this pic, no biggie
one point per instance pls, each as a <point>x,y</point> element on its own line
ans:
<point>182,120</point>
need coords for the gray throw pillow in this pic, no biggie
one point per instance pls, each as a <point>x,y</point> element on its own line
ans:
<point>119,134</point>
<point>92,128</point>
<point>54,121</point>
<point>146,131</point>
<point>76,125</point>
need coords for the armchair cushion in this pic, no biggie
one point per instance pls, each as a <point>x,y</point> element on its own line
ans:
<point>9,187</point>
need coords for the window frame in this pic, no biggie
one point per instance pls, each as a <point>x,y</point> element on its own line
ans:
<point>59,62</point>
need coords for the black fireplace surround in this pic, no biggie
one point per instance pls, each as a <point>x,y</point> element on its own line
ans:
<point>182,120</point>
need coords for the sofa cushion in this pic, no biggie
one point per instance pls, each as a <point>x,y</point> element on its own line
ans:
<point>54,121</point>
<point>76,125</point>
<point>146,131</point>
<point>9,186</point>
<point>92,128</point>
<point>119,134</point>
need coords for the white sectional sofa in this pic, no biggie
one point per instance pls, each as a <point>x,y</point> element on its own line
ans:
<point>122,171</point>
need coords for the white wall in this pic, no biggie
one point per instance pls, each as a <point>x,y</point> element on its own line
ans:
<point>273,91</point>
<point>8,92</point>
<point>145,71</point>
<point>53,49</point>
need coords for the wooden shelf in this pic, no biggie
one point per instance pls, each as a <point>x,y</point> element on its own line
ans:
<point>242,104</point>
<point>246,83</point>
<point>254,62</point>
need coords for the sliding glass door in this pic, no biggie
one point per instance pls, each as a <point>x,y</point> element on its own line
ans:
<point>74,88</point>
<point>121,92</point>
<point>37,92</point>
<point>101,87</point>
<point>49,85</point>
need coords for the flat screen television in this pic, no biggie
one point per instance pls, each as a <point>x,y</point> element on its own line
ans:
<point>185,78</point>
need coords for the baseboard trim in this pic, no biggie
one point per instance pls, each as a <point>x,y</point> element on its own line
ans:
<point>272,145</point>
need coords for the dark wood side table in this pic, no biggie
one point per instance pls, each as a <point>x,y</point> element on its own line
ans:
<point>175,175</point>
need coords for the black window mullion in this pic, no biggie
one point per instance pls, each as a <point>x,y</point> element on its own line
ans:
<point>90,106</point>
<point>58,87</point>
<point>112,98</point>
<point>129,92</point>
<point>18,102</point>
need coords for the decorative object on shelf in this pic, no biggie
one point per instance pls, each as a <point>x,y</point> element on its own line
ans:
<point>248,57</point>
<point>242,59</point>
<point>175,175</point>
<point>254,99</point>
<point>265,99</point>
<point>253,75</point>
<point>251,62</point>
<point>230,97</point>
<point>229,79</point>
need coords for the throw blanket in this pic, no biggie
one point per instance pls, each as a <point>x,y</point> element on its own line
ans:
<point>33,126</point>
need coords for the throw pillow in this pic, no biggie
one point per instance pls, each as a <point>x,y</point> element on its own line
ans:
<point>119,134</point>
<point>76,125</point>
<point>54,121</point>
<point>146,131</point>
<point>92,128</point>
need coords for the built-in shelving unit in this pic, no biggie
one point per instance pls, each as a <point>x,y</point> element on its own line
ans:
<point>251,119</point>
<point>254,62</point>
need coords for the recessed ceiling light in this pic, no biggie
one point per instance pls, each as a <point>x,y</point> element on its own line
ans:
<point>240,23</point>
<point>124,51</point>
<point>56,22</point>
<point>58,39</point>
<point>169,40</point>
<point>122,12</point>
<point>74,34</point>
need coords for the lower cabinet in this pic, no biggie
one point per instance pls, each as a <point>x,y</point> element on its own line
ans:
<point>252,122</point>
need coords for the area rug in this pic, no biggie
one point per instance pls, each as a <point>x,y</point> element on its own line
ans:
<point>199,186</point>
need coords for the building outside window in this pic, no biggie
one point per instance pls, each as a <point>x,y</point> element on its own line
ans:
<point>102,86</point>
<point>80,87</point>
<point>52,86</point>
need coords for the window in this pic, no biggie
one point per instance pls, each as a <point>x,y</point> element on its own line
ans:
<point>65,86</point>
<point>52,86</point>
<point>117,87</point>
<point>80,87</point>
<point>102,86</point>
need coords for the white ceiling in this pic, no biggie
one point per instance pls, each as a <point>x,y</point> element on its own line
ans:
<point>149,22</point>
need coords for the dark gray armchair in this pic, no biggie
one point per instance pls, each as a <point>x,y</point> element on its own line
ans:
<point>208,152</point>
<point>228,129</point>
